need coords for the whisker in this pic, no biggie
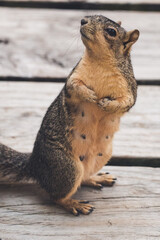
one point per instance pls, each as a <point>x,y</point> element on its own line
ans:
<point>70,44</point>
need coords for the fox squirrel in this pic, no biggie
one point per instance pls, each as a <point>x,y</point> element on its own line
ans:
<point>75,138</point>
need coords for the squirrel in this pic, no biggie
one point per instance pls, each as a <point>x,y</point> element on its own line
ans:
<point>75,138</point>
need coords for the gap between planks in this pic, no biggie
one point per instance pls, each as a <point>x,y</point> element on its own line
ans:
<point>140,82</point>
<point>86,5</point>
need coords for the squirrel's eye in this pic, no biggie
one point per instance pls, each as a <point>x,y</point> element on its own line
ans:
<point>111,32</point>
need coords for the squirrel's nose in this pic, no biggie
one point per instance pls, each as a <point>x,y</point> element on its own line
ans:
<point>84,21</point>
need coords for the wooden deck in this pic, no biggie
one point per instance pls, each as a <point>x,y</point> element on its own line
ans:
<point>39,45</point>
<point>25,50</point>
<point>129,210</point>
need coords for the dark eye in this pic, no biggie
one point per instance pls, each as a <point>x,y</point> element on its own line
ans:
<point>111,32</point>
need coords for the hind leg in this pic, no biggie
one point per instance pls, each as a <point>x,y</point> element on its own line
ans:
<point>100,180</point>
<point>60,175</point>
<point>65,183</point>
<point>72,205</point>
<point>76,206</point>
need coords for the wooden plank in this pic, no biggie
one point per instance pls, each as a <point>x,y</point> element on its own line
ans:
<point>141,82</point>
<point>129,210</point>
<point>135,161</point>
<point>138,5</point>
<point>22,106</point>
<point>42,43</point>
<point>91,1</point>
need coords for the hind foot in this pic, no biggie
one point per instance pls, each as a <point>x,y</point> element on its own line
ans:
<point>100,180</point>
<point>76,206</point>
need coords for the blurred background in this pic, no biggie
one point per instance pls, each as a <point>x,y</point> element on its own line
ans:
<point>43,40</point>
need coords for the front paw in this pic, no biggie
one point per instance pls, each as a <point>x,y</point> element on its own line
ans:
<point>90,95</point>
<point>104,103</point>
<point>109,105</point>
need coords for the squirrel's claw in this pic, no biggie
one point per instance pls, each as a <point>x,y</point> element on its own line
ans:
<point>100,180</point>
<point>104,102</point>
<point>91,96</point>
<point>109,105</point>
<point>76,206</point>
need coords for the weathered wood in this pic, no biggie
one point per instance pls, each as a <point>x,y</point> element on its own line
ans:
<point>135,161</point>
<point>63,80</point>
<point>137,5</point>
<point>90,1</point>
<point>22,106</point>
<point>129,210</point>
<point>46,43</point>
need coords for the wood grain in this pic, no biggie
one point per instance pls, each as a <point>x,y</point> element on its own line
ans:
<point>22,106</point>
<point>138,5</point>
<point>129,210</point>
<point>46,43</point>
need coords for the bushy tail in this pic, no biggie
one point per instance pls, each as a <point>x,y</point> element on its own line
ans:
<point>13,164</point>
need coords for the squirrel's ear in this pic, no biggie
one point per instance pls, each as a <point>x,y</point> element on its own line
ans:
<point>119,22</point>
<point>130,39</point>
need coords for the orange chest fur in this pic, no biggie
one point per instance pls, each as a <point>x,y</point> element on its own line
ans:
<point>93,132</point>
<point>104,82</point>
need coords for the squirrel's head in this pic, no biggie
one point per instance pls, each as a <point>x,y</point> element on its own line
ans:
<point>104,37</point>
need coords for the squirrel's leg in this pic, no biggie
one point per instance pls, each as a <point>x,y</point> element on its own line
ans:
<point>68,179</point>
<point>75,206</point>
<point>121,104</point>
<point>100,180</point>
<point>72,205</point>
<point>60,175</point>
<point>77,89</point>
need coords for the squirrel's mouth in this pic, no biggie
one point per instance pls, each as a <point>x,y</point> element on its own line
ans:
<point>83,34</point>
